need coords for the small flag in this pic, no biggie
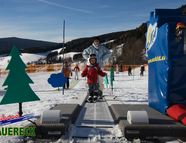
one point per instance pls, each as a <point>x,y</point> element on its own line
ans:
<point>106,80</point>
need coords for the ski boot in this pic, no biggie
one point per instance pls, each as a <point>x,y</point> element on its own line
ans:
<point>95,98</point>
<point>90,99</point>
<point>100,96</point>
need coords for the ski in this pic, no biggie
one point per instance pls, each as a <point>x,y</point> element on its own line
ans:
<point>100,97</point>
<point>91,99</point>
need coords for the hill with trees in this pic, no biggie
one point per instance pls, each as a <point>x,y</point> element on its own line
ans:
<point>23,45</point>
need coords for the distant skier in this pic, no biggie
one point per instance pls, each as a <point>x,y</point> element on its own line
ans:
<point>142,69</point>
<point>92,70</point>
<point>129,71</point>
<point>67,72</point>
<point>102,54</point>
<point>76,70</point>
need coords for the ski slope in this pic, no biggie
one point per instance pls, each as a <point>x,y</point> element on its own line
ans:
<point>129,89</point>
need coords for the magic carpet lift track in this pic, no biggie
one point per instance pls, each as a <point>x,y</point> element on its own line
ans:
<point>160,125</point>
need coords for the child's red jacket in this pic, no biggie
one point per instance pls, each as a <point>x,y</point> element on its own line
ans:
<point>92,73</point>
<point>76,68</point>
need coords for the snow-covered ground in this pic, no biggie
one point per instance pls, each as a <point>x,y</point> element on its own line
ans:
<point>129,89</point>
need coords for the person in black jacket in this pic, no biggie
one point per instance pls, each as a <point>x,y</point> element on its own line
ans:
<point>142,69</point>
<point>129,71</point>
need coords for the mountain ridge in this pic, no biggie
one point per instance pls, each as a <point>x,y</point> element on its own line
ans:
<point>7,44</point>
<point>75,45</point>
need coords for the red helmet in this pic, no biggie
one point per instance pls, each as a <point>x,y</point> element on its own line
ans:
<point>180,25</point>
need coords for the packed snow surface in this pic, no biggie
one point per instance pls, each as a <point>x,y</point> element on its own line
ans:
<point>129,89</point>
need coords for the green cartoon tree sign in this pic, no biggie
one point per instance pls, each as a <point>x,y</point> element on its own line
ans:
<point>18,89</point>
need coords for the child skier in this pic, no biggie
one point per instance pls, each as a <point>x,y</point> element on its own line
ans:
<point>67,72</point>
<point>76,70</point>
<point>92,70</point>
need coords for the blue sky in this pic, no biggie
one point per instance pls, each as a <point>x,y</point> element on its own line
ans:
<point>43,19</point>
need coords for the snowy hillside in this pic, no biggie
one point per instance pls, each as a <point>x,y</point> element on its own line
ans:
<point>26,57</point>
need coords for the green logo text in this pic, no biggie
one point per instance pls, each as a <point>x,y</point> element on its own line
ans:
<point>17,131</point>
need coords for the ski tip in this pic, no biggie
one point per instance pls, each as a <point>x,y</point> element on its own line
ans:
<point>90,101</point>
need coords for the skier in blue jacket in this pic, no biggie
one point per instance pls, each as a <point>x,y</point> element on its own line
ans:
<point>101,52</point>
